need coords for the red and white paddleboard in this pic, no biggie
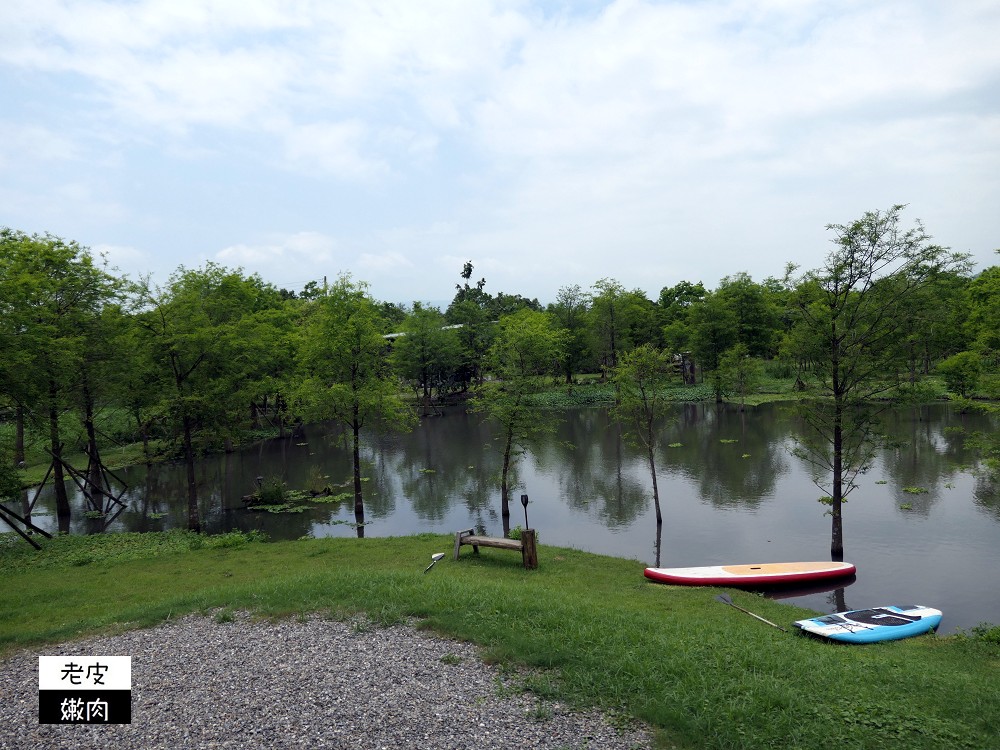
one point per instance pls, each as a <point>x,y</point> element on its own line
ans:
<point>764,574</point>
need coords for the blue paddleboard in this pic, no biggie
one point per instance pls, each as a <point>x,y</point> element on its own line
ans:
<point>888,623</point>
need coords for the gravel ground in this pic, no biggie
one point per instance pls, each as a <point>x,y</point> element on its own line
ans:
<point>200,683</point>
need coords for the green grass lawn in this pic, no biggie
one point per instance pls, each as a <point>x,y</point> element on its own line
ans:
<point>703,674</point>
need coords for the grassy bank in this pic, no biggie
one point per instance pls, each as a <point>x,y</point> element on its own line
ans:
<point>703,674</point>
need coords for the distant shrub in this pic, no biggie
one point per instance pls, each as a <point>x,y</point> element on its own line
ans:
<point>235,538</point>
<point>961,372</point>
<point>272,491</point>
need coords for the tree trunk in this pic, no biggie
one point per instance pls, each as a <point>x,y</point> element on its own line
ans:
<point>194,517</point>
<point>95,478</point>
<point>652,473</point>
<point>62,499</point>
<point>19,435</point>
<point>144,431</point>
<point>359,502</point>
<point>504,488</point>
<point>614,341</point>
<point>836,504</point>
<point>837,490</point>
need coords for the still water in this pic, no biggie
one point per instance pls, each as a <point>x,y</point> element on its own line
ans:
<point>921,527</point>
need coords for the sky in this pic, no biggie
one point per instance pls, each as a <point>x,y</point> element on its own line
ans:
<point>550,143</point>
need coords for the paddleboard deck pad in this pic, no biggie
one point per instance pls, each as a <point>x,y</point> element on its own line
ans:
<point>888,623</point>
<point>763,574</point>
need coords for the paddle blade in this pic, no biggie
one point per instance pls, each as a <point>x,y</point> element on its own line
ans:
<point>434,558</point>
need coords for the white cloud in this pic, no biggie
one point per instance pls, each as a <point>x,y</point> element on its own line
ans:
<point>306,248</point>
<point>333,147</point>
<point>19,139</point>
<point>646,140</point>
<point>286,260</point>
<point>392,262</point>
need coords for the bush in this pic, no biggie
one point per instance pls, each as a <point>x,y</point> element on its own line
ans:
<point>961,372</point>
<point>272,491</point>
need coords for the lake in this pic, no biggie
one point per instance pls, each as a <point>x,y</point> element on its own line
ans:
<point>921,527</point>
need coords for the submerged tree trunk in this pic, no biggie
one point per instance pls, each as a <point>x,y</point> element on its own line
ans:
<point>95,478</point>
<point>359,502</point>
<point>656,491</point>
<point>504,487</point>
<point>144,431</point>
<point>62,499</point>
<point>19,435</point>
<point>837,499</point>
<point>194,517</point>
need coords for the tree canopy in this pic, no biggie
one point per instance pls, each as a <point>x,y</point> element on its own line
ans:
<point>853,308</point>
<point>207,357</point>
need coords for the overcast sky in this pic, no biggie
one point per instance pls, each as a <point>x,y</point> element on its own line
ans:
<point>550,143</point>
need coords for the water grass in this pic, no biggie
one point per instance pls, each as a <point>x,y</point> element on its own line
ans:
<point>591,628</point>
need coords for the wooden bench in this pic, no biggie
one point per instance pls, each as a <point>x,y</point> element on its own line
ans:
<point>525,545</point>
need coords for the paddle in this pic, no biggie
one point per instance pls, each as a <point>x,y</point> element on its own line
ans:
<point>726,599</point>
<point>434,558</point>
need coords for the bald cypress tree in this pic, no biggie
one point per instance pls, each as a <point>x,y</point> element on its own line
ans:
<point>851,311</point>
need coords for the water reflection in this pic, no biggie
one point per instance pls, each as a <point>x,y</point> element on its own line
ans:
<point>735,461</point>
<point>730,489</point>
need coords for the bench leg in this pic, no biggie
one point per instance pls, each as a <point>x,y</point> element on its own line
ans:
<point>529,552</point>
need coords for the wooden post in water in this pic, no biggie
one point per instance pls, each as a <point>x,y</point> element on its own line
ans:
<point>529,552</point>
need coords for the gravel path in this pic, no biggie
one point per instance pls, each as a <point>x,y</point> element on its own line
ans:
<point>199,683</point>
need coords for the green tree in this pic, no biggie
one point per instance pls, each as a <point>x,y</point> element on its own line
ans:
<point>211,334</point>
<point>426,352</point>
<point>641,378</point>
<point>10,482</point>
<point>713,332</point>
<point>506,304</point>
<point>675,305</point>
<point>98,365</point>
<point>52,294</point>
<point>754,311</point>
<point>675,301</point>
<point>393,315</point>
<point>619,320</point>
<point>570,313</point>
<point>470,312</point>
<point>740,372</point>
<point>961,372</point>
<point>347,376</point>
<point>983,325</point>
<point>854,306</point>
<point>933,323</point>
<point>138,387</point>
<point>528,344</point>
